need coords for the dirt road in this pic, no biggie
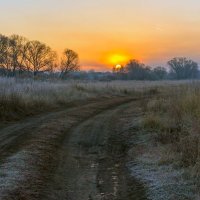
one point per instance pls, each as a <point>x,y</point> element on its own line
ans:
<point>75,154</point>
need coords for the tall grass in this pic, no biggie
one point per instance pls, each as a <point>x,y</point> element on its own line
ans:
<point>175,122</point>
<point>19,97</point>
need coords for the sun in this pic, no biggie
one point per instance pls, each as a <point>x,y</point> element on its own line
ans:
<point>118,67</point>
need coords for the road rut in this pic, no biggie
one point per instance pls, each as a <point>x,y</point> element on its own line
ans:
<point>65,155</point>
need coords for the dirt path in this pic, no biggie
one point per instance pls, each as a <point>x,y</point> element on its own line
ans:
<point>75,154</point>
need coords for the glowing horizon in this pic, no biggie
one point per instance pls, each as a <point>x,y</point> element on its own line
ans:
<point>106,33</point>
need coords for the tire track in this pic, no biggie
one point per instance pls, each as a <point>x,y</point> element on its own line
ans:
<point>90,164</point>
<point>29,151</point>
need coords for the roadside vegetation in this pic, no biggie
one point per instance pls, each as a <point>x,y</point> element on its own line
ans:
<point>25,97</point>
<point>173,123</point>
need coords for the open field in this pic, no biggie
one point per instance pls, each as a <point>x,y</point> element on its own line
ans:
<point>99,140</point>
<point>20,98</point>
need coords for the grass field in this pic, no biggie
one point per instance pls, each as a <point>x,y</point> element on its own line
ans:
<point>19,98</point>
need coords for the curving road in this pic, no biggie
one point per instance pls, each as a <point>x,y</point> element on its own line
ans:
<point>75,154</point>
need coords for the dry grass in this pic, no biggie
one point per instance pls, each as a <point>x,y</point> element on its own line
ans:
<point>175,122</point>
<point>20,98</point>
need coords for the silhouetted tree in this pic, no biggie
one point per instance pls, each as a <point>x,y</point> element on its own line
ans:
<point>5,61</point>
<point>39,57</point>
<point>69,62</point>
<point>138,71</point>
<point>183,68</point>
<point>160,73</point>
<point>120,73</point>
<point>17,54</point>
<point>4,42</point>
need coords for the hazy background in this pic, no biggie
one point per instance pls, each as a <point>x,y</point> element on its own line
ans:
<point>152,31</point>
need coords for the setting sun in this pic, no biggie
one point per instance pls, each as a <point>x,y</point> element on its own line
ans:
<point>118,67</point>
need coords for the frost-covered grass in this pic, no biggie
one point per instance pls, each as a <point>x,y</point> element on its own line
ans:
<point>174,124</point>
<point>19,98</point>
<point>163,181</point>
<point>22,97</point>
<point>26,97</point>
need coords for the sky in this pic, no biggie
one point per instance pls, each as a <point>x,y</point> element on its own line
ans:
<point>108,32</point>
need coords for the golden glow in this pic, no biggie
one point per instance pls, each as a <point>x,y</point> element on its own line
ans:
<point>101,36</point>
<point>115,59</point>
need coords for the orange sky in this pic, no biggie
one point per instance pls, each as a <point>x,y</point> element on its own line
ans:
<point>109,32</point>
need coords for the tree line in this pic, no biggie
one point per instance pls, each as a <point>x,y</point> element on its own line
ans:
<point>18,56</point>
<point>179,68</point>
<point>22,57</point>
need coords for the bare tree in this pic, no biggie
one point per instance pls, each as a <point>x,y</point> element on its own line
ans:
<point>17,53</point>
<point>12,53</point>
<point>160,73</point>
<point>39,57</point>
<point>69,62</point>
<point>4,42</point>
<point>5,61</point>
<point>183,68</point>
<point>138,71</point>
<point>119,72</point>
